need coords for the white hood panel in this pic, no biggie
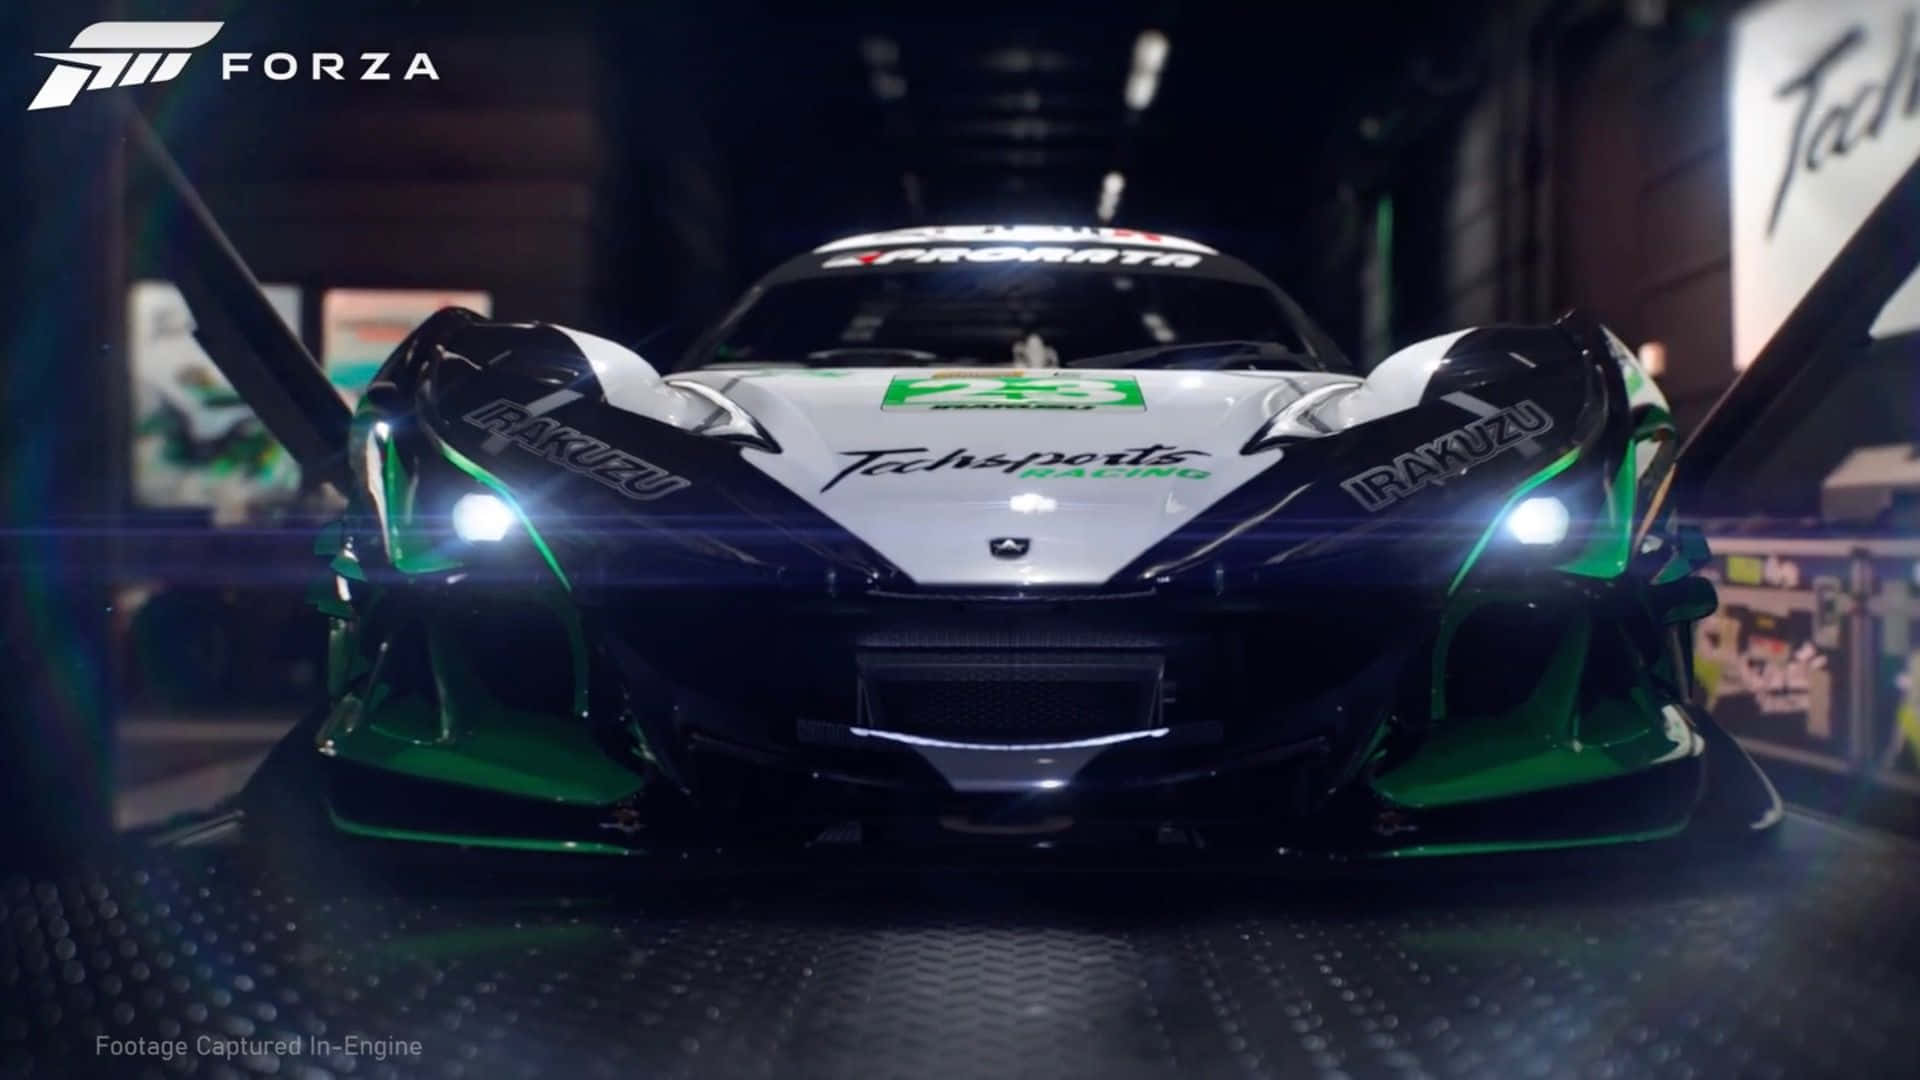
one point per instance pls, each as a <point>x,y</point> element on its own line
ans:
<point>930,467</point>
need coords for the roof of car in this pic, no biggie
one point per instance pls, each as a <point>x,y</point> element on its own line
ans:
<point>1016,234</point>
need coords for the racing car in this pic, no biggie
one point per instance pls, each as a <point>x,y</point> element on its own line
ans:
<point>1017,537</point>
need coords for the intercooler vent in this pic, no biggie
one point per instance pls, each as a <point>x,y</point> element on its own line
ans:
<point>1009,697</point>
<point>1003,637</point>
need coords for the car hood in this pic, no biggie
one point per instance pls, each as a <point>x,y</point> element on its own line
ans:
<point>998,477</point>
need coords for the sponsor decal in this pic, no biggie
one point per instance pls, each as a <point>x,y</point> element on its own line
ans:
<point>1020,253</point>
<point>1451,453</point>
<point>1016,234</point>
<point>575,451</point>
<point>1012,390</point>
<point>1135,463</point>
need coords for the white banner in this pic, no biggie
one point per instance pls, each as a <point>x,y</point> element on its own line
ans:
<point>1824,115</point>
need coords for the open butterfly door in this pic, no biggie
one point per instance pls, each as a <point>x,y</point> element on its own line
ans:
<point>239,328</point>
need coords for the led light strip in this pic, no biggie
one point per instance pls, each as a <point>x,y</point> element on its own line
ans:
<point>946,744</point>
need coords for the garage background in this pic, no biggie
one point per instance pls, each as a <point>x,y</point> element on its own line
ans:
<point>1404,169</point>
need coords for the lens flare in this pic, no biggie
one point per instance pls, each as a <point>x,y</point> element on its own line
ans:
<point>481,518</point>
<point>1541,520</point>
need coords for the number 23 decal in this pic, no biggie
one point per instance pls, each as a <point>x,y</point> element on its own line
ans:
<point>1013,392</point>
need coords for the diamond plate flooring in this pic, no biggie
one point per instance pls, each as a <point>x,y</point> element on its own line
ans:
<point>1800,962</point>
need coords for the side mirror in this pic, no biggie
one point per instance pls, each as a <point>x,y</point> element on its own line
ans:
<point>1688,600</point>
<point>1691,545</point>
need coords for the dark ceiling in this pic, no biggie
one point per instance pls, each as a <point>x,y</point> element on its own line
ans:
<point>879,118</point>
<point>873,117</point>
<point>731,134</point>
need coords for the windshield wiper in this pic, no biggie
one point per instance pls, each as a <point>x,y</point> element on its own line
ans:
<point>1230,349</point>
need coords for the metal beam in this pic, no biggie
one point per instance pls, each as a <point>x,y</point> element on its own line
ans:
<point>242,334</point>
<point>1791,369</point>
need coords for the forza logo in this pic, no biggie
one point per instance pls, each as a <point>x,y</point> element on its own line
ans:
<point>575,451</point>
<point>1450,454</point>
<point>120,54</point>
<point>133,53</point>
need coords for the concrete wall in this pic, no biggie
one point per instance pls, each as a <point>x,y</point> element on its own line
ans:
<point>1587,169</point>
<point>1642,199</point>
<point>484,183</point>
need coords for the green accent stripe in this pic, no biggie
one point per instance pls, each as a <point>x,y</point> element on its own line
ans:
<point>504,843</point>
<point>1611,549</point>
<point>1495,847</point>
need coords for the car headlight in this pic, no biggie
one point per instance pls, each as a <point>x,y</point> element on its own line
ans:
<point>1540,521</point>
<point>481,518</point>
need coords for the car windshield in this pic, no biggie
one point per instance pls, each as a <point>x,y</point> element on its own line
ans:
<point>1017,316</point>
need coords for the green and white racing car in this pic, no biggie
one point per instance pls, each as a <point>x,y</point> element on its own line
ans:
<point>1014,537</point>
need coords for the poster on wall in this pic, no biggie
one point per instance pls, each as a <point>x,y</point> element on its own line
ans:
<point>195,443</point>
<point>360,327</point>
<point>1767,665</point>
<point>1893,752</point>
<point>1823,100</point>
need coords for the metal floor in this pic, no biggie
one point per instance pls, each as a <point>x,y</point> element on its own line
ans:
<point>1797,963</point>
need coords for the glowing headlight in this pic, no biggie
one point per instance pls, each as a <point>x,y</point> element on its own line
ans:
<point>1541,520</point>
<point>481,518</point>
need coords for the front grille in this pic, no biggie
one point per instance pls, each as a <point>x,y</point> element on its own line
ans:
<point>1004,635</point>
<point>1009,697</point>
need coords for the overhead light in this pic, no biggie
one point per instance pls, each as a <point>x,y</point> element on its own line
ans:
<point>1647,14</point>
<point>1539,521</point>
<point>1140,91</point>
<point>1143,79</point>
<point>1110,188</point>
<point>1653,357</point>
<point>911,187</point>
<point>882,55</point>
<point>1150,50</point>
<point>481,518</point>
<point>1156,325</point>
<point>879,52</point>
<point>1031,502</point>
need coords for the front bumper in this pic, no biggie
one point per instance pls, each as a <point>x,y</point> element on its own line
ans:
<point>1048,831</point>
<point>694,720</point>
